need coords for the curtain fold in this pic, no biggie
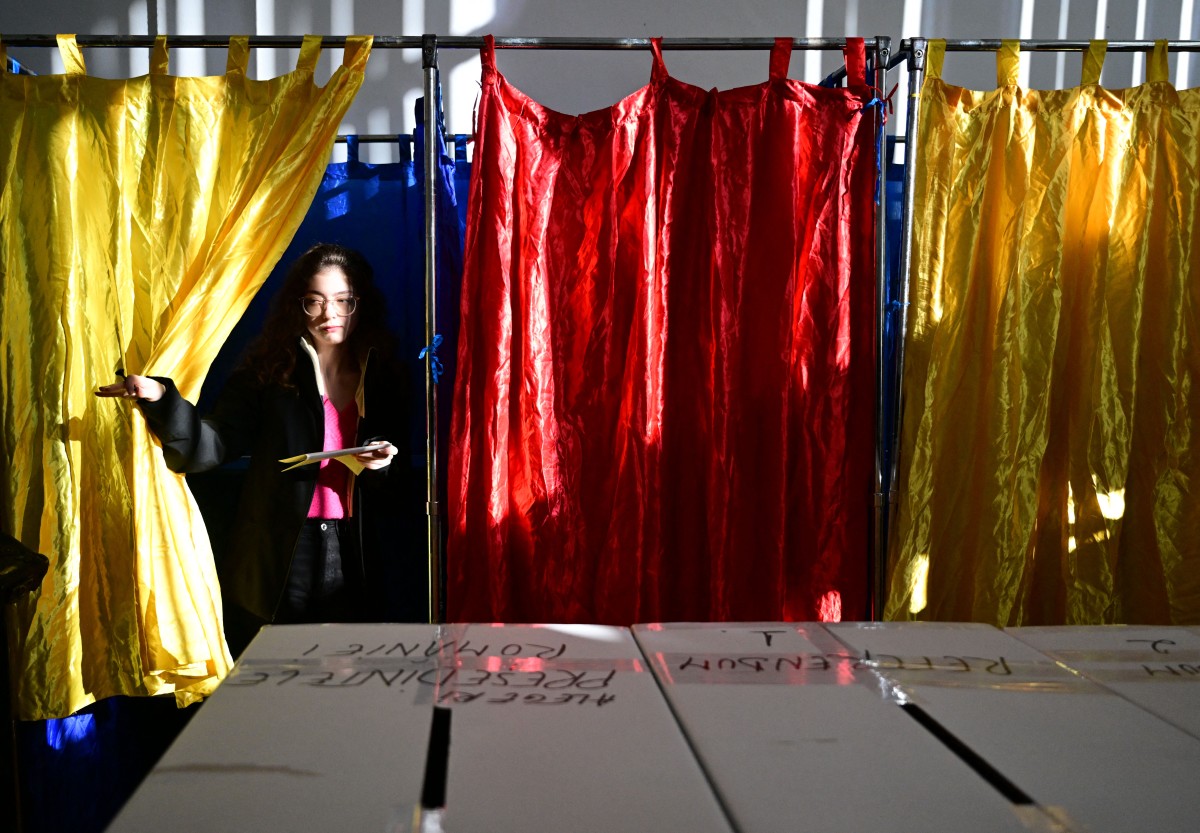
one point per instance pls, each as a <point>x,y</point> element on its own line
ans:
<point>663,408</point>
<point>1048,455</point>
<point>139,217</point>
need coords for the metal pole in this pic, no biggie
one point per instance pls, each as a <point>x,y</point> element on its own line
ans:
<point>992,45</point>
<point>368,138</point>
<point>598,43</point>
<point>701,44</point>
<point>414,42</point>
<point>916,74</point>
<point>429,47</point>
<point>877,567</point>
<point>207,41</point>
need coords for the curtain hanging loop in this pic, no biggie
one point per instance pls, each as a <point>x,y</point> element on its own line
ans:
<point>1008,63</point>
<point>357,51</point>
<point>72,55</point>
<point>1157,68</point>
<point>659,72</point>
<point>160,59</point>
<point>781,58</point>
<point>935,57</point>
<point>487,57</point>
<point>1093,62</point>
<point>855,55</point>
<point>237,59</point>
<point>310,51</point>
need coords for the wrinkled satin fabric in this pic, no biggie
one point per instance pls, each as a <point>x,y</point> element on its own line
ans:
<point>1051,389</point>
<point>137,219</point>
<point>664,403</point>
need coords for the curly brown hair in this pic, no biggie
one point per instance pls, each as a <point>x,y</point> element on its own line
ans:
<point>272,355</point>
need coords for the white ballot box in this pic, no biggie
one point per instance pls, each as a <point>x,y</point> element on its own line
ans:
<point>318,727</point>
<point>797,737</point>
<point>563,728</point>
<point>1158,668</point>
<point>1052,738</point>
<point>349,727</point>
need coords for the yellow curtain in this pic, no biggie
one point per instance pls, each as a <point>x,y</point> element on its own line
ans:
<point>1051,438</point>
<point>137,219</point>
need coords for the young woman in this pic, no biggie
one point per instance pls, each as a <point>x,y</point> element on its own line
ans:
<point>306,542</point>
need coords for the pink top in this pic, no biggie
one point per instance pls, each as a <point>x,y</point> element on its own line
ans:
<point>333,480</point>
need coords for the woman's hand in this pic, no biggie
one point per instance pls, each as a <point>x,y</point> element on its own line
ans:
<point>134,387</point>
<point>379,457</point>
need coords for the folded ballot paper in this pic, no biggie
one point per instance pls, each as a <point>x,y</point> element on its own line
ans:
<point>342,455</point>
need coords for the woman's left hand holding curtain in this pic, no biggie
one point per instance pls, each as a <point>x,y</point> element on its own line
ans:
<point>134,387</point>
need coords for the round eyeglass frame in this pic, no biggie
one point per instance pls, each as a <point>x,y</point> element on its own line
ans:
<point>305,301</point>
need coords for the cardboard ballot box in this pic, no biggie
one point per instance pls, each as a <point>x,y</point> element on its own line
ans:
<point>1050,738</point>
<point>796,737</point>
<point>318,727</point>
<point>563,728</point>
<point>1158,668</point>
<point>333,727</point>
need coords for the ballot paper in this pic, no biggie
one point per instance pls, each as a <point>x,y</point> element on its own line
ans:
<point>342,455</point>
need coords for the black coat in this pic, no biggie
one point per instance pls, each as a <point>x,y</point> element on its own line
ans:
<point>270,423</point>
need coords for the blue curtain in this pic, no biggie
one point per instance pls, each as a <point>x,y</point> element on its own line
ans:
<point>16,67</point>
<point>76,772</point>
<point>893,211</point>
<point>379,210</point>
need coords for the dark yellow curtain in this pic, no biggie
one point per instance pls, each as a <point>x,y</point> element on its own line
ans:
<point>137,219</point>
<point>1051,439</point>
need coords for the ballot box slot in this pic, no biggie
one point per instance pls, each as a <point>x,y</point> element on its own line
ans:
<point>972,759</point>
<point>437,761</point>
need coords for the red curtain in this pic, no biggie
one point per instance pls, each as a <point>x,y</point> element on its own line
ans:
<point>664,404</point>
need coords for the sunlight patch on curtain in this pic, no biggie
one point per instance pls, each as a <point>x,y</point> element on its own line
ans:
<point>665,400</point>
<point>1051,387</point>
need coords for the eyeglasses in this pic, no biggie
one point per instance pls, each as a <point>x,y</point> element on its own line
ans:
<point>341,306</point>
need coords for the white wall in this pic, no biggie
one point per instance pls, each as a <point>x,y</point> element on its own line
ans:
<point>574,81</point>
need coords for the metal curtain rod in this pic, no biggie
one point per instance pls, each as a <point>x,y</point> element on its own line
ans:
<point>367,138</point>
<point>415,42</point>
<point>203,41</point>
<point>644,43</point>
<point>206,41</point>
<point>992,45</point>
